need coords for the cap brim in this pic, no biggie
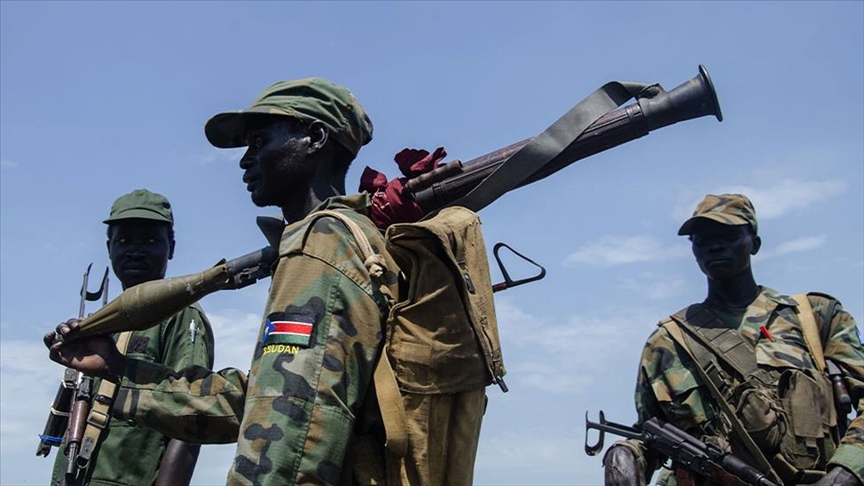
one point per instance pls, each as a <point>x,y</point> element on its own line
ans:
<point>227,130</point>
<point>138,214</point>
<point>727,219</point>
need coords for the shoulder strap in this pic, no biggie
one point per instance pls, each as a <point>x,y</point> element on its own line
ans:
<point>724,343</point>
<point>674,331</point>
<point>543,149</point>
<point>389,399</point>
<point>100,409</point>
<point>810,330</point>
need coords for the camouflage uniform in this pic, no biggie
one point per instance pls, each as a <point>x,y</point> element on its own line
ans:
<point>169,344</point>
<point>294,417</point>
<point>669,386</point>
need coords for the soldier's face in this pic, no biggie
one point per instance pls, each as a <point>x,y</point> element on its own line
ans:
<point>139,250</point>
<point>275,164</point>
<point>722,251</point>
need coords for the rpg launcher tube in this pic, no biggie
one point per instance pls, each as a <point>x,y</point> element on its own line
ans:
<point>149,303</point>
<point>652,110</point>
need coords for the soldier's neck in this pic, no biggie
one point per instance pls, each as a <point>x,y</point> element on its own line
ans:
<point>734,294</point>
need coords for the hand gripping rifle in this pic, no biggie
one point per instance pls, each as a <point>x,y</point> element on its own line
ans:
<point>685,450</point>
<point>71,405</point>
<point>594,125</point>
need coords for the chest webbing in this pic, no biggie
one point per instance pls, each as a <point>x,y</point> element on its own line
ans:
<point>714,344</point>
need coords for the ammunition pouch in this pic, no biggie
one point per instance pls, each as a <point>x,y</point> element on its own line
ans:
<point>806,394</point>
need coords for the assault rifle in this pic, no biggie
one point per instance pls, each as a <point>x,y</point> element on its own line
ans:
<point>150,302</point>
<point>685,450</point>
<point>71,405</point>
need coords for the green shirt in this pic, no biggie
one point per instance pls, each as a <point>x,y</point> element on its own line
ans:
<point>126,454</point>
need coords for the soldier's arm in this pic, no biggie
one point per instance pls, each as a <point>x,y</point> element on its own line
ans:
<point>187,340</point>
<point>668,387</point>
<point>195,404</point>
<point>304,395</point>
<point>845,349</point>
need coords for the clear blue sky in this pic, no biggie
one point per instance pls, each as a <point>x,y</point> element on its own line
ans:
<point>98,99</point>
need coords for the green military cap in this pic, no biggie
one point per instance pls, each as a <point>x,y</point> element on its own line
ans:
<point>307,100</point>
<point>141,204</point>
<point>730,209</point>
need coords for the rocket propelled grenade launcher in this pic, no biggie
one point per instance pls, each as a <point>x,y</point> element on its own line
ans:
<point>149,303</point>
<point>654,108</point>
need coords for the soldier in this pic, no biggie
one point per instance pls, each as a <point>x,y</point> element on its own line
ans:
<point>296,417</point>
<point>745,351</point>
<point>140,243</point>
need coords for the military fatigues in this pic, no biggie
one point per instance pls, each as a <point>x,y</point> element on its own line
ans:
<point>128,455</point>
<point>669,385</point>
<point>311,370</point>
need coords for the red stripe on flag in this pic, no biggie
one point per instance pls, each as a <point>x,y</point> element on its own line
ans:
<point>291,327</point>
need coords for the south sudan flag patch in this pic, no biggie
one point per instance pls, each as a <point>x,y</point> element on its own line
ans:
<point>288,328</point>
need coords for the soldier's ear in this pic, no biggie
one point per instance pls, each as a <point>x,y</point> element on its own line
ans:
<point>757,243</point>
<point>171,249</point>
<point>318,135</point>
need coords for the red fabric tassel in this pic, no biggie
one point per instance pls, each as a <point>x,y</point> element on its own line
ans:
<point>391,203</point>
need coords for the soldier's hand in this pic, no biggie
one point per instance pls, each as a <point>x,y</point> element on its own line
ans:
<point>94,356</point>
<point>622,468</point>
<point>838,476</point>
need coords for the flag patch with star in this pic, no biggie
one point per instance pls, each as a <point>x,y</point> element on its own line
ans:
<point>284,328</point>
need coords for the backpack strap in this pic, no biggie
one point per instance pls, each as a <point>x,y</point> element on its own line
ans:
<point>389,399</point>
<point>100,409</point>
<point>674,330</point>
<point>810,330</point>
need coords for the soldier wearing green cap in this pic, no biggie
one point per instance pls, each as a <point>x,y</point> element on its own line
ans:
<point>298,417</point>
<point>140,243</point>
<point>748,369</point>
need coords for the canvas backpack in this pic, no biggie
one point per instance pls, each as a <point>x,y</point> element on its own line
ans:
<point>441,350</point>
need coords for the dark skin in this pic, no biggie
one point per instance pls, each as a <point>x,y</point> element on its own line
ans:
<point>288,164</point>
<point>139,250</point>
<point>723,253</point>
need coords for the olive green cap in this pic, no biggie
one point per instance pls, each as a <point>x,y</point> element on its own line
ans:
<point>141,204</point>
<point>730,209</point>
<point>307,100</point>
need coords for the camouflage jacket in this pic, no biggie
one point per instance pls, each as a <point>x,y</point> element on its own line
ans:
<point>294,416</point>
<point>669,385</point>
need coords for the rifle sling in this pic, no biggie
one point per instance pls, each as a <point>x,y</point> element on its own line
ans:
<point>810,330</point>
<point>100,409</point>
<point>549,144</point>
<point>674,329</point>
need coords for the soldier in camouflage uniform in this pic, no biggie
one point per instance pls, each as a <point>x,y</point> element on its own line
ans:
<point>297,415</point>
<point>797,436</point>
<point>140,243</point>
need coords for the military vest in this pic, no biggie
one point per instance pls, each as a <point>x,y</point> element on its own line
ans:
<point>775,388</point>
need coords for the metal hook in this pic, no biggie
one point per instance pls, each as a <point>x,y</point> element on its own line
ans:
<point>593,450</point>
<point>86,295</point>
<point>508,282</point>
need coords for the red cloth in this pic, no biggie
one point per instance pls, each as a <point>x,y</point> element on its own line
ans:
<point>391,203</point>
